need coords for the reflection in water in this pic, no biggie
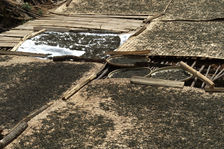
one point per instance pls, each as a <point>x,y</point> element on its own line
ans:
<point>89,45</point>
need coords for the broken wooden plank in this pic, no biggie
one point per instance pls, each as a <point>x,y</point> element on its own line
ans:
<point>157,82</point>
<point>143,52</point>
<point>136,17</point>
<point>14,133</point>
<point>22,54</point>
<point>197,74</point>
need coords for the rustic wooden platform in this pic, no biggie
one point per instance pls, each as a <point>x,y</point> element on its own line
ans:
<point>53,22</point>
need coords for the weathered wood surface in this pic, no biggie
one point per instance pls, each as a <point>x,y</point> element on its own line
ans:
<point>22,54</point>
<point>7,44</point>
<point>111,23</point>
<point>156,82</point>
<point>144,52</point>
<point>27,36</point>
<point>76,58</point>
<point>197,74</point>
<point>215,89</point>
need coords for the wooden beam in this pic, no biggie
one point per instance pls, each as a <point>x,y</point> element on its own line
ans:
<point>215,89</point>
<point>156,82</point>
<point>197,74</point>
<point>22,54</point>
<point>143,52</point>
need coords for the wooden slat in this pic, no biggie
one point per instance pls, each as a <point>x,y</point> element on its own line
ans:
<point>22,54</point>
<point>109,28</point>
<point>9,39</point>
<point>102,16</point>
<point>90,19</point>
<point>92,23</point>
<point>7,45</point>
<point>32,34</point>
<point>215,89</point>
<point>156,82</point>
<point>143,52</point>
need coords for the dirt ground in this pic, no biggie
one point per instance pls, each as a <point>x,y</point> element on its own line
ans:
<point>126,115</point>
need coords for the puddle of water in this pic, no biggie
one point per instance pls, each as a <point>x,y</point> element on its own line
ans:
<point>90,45</point>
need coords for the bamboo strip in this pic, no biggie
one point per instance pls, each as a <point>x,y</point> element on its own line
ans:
<point>197,74</point>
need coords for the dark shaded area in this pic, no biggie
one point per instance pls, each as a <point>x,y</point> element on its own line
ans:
<point>69,128</point>
<point>163,117</point>
<point>26,87</point>
<point>94,45</point>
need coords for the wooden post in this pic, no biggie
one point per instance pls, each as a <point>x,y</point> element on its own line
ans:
<point>197,74</point>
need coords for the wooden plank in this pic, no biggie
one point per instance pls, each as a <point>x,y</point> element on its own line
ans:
<point>7,45</point>
<point>156,82</point>
<point>101,16</point>
<point>107,22</point>
<point>143,52</point>
<point>22,54</point>
<point>90,19</point>
<point>9,39</point>
<point>215,89</point>
<point>107,28</point>
<point>197,74</point>
<point>17,32</point>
